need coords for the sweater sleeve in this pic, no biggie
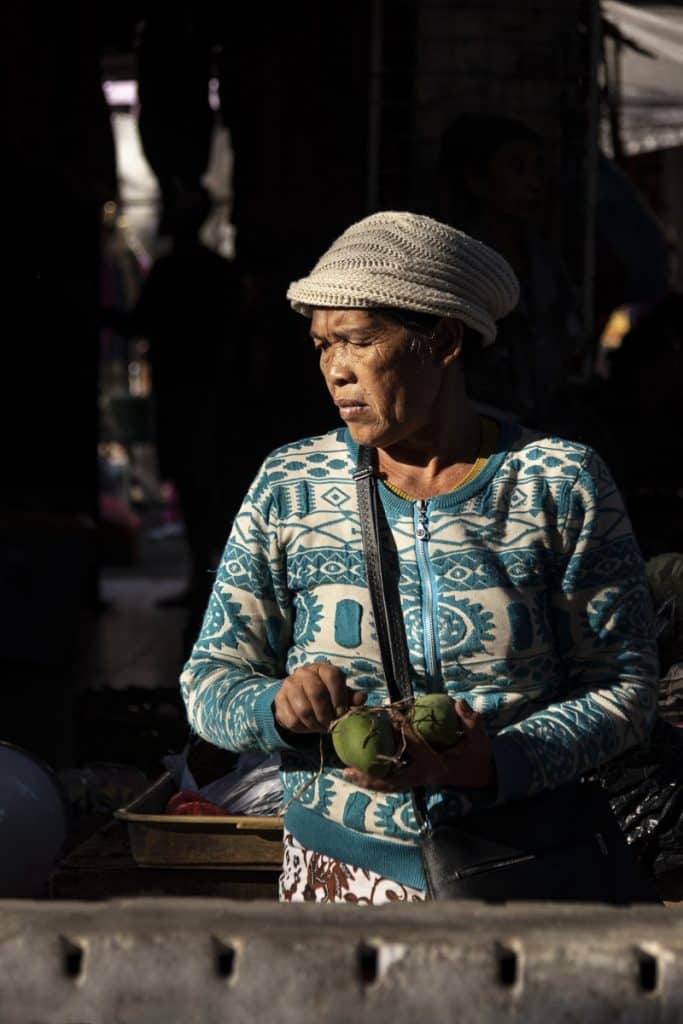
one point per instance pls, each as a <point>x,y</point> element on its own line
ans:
<point>238,661</point>
<point>605,639</point>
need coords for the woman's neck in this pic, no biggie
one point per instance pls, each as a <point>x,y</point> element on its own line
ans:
<point>436,465</point>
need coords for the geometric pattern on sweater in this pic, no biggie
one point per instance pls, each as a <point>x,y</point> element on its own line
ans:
<point>528,597</point>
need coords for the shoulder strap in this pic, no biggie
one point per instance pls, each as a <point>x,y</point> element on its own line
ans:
<point>383,594</point>
<point>385,601</point>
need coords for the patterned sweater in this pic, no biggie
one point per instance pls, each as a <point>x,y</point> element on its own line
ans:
<point>523,591</point>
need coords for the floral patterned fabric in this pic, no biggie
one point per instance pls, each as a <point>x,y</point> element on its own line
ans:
<point>312,877</point>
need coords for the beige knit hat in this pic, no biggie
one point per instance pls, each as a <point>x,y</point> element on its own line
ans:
<point>409,261</point>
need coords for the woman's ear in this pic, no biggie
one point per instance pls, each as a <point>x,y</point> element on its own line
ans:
<point>448,340</point>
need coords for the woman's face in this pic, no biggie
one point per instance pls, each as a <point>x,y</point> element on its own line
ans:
<point>385,393</point>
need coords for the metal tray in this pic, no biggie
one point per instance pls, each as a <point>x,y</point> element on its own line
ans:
<point>233,842</point>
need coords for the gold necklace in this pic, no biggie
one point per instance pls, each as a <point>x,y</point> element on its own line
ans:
<point>469,469</point>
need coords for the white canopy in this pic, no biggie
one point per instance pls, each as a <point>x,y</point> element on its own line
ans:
<point>651,82</point>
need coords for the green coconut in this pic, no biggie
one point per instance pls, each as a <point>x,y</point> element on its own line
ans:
<point>434,718</point>
<point>364,739</point>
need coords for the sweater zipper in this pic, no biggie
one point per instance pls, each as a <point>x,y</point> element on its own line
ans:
<point>422,536</point>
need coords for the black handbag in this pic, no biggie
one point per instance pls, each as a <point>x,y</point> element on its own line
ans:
<point>564,844</point>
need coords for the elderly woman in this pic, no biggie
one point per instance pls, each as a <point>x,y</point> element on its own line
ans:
<point>521,585</point>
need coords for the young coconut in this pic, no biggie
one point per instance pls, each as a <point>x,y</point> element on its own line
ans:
<point>434,718</point>
<point>363,738</point>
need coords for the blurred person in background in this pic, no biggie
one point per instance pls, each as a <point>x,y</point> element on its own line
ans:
<point>188,310</point>
<point>492,184</point>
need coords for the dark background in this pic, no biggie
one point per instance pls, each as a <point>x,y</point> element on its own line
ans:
<point>333,111</point>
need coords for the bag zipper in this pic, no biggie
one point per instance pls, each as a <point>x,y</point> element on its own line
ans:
<point>507,862</point>
<point>494,865</point>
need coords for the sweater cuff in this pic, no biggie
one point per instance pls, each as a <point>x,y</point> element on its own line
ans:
<point>270,736</point>
<point>512,767</point>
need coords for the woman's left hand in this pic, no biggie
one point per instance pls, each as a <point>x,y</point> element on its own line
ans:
<point>468,765</point>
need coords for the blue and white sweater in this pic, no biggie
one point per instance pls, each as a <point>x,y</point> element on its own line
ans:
<point>528,598</point>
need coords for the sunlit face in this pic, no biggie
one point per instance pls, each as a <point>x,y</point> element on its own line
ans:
<point>385,393</point>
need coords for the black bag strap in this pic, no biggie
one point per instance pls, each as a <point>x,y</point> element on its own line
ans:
<point>384,597</point>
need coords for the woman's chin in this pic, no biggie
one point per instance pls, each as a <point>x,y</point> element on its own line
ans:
<point>365,434</point>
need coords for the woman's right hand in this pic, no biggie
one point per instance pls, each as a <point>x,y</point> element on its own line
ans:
<point>312,697</point>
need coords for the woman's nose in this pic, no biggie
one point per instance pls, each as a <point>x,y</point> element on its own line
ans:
<point>336,367</point>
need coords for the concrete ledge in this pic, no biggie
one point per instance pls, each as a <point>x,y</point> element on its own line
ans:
<point>162,961</point>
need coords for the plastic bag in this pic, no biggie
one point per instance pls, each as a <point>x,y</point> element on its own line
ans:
<point>178,767</point>
<point>645,784</point>
<point>665,576</point>
<point>665,580</point>
<point>671,695</point>
<point>645,790</point>
<point>253,787</point>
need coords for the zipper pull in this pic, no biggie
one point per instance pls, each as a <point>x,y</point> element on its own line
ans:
<point>422,532</point>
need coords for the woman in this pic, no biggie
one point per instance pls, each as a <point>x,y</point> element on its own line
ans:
<point>522,588</point>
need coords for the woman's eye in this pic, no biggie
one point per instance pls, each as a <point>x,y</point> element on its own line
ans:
<point>323,346</point>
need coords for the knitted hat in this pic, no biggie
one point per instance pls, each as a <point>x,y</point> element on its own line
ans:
<point>409,261</point>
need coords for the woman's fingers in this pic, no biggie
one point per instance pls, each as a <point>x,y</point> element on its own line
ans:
<point>288,717</point>
<point>464,710</point>
<point>312,704</point>
<point>334,682</point>
<point>471,720</point>
<point>313,696</point>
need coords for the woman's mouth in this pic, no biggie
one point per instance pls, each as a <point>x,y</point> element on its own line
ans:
<point>349,410</point>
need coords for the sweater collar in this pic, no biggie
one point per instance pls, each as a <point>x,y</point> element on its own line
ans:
<point>508,431</point>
